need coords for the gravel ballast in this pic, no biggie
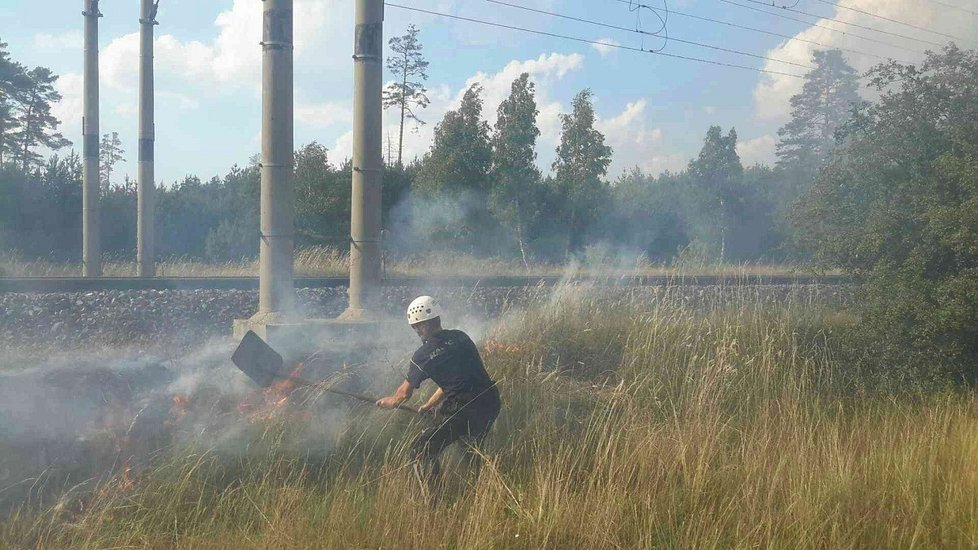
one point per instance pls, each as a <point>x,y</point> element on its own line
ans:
<point>179,319</point>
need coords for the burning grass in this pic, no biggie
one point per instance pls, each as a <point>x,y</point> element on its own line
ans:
<point>625,424</point>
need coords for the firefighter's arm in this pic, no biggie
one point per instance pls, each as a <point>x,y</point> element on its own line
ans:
<point>402,394</point>
<point>433,401</point>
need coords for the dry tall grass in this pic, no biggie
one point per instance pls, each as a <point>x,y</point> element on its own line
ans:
<point>625,425</point>
<point>322,261</point>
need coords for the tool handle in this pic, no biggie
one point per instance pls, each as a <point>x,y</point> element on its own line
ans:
<point>357,396</point>
<point>368,399</point>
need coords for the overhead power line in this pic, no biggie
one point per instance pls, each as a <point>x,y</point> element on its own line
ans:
<point>588,41</point>
<point>753,29</point>
<point>884,18</point>
<point>646,33</point>
<point>831,29</point>
<point>953,7</point>
<point>841,22</point>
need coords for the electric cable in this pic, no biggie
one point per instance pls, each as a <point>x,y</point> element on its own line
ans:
<point>589,41</point>
<point>884,18</point>
<point>610,26</point>
<point>831,29</point>
<point>953,7</point>
<point>841,22</point>
<point>664,28</point>
<point>761,31</point>
<point>662,20</point>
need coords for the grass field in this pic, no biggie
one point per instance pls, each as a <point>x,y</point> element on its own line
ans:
<point>625,425</point>
<point>332,262</point>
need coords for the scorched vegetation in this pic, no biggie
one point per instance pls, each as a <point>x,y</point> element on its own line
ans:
<point>626,424</point>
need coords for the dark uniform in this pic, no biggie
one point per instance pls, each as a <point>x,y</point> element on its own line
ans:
<point>471,401</point>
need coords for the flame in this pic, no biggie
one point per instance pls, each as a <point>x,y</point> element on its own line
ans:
<point>180,403</point>
<point>263,405</point>
<point>495,346</point>
<point>126,483</point>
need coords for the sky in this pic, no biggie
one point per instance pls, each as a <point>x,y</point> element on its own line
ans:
<point>653,109</point>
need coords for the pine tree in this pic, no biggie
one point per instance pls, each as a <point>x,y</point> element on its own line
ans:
<point>13,80</point>
<point>582,160</point>
<point>515,177</point>
<point>409,67</point>
<point>36,126</point>
<point>6,124</point>
<point>110,153</point>
<point>830,92</point>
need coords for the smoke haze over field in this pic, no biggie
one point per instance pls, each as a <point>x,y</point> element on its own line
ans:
<point>75,416</point>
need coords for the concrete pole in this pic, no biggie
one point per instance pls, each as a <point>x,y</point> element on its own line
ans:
<point>91,246</point>
<point>145,178</point>
<point>276,294</point>
<point>365,212</point>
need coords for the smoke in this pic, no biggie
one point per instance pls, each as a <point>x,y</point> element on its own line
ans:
<point>77,418</point>
<point>446,222</point>
<point>70,416</point>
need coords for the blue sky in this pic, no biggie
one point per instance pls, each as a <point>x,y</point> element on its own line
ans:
<point>654,110</point>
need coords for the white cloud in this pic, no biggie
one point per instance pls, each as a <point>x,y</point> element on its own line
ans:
<point>606,46</point>
<point>634,144</point>
<point>672,162</point>
<point>549,123</point>
<point>543,71</point>
<point>235,52</point>
<point>181,101</point>
<point>417,140</point>
<point>759,150</point>
<point>322,115</point>
<point>119,61</point>
<point>127,109</point>
<point>772,92</point>
<point>70,40</point>
<point>632,113</point>
<point>233,57</point>
<point>69,109</point>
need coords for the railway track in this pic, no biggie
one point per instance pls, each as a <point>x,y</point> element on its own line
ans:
<point>82,284</point>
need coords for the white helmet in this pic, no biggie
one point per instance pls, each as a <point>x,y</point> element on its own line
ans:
<point>423,308</point>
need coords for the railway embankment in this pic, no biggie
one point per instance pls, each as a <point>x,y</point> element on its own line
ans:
<point>179,319</point>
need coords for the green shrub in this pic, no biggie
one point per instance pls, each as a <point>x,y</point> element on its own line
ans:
<point>898,206</point>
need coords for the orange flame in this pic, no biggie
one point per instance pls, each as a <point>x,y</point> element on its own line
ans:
<point>126,483</point>
<point>495,346</point>
<point>268,403</point>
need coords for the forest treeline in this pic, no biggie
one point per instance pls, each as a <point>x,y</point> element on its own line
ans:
<point>478,189</point>
<point>884,187</point>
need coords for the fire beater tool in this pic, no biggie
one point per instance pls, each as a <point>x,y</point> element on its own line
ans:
<point>265,366</point>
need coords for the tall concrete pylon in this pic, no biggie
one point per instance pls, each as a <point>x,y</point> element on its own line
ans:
<point>365,212</point>
<point>145,178</point>
<point>276,292</point>
<point>91,244</point>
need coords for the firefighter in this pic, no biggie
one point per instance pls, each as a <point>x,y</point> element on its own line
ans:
<point>466,402</point>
